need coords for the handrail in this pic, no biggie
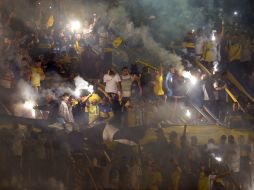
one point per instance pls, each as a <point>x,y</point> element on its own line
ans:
<point>231,95</point>
<point>233,80</point>
<point>139,61</point>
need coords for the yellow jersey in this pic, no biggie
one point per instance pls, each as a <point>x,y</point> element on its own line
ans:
<point>158,87</point>
<point>235,52</point>
<point>37,76</point>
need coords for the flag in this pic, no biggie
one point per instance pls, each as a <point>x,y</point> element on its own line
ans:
<point>50,22</point>
<point>117,42</point>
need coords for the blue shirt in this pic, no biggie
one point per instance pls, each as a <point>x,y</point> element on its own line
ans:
<point>168,84</point>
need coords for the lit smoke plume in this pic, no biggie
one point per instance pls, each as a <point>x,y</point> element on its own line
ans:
<point>142,34</point>
<point>153,23</point>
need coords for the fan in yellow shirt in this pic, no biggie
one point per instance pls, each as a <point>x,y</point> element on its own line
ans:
<point>235,50</point>
<point>37,75</point>
<point>155,178</point>
<point>158,83</point>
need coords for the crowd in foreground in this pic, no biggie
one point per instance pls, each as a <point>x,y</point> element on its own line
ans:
<point>34,160</point>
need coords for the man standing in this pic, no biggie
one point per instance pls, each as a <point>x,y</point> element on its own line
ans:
<point>199,44</point>
<point>147,84</point>
<point>37,75</point>
<point>232,158</point>
<point>65,111</point>
<point>220,96</point>
<point>113,87</point>
<point>168,83</point>
<point>126,83</point>
<point>52,106</point>
<point>158,84</point>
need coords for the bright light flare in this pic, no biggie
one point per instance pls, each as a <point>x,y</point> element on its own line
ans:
<point>217,158</point>
<point>188,113</point>
<point>90,89</point>
<point>213,36</point>
<point>81,84</point>
<point>188,75</point>
<point>152,17</point>
<point>88,30</point>
<point>215,67</point>
<point>29,105</point>
<point>75,25</point>
<point>77,93</point>
<point>235,13</point>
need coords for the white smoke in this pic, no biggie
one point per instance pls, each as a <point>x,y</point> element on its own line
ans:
<point>26,91</point>
<point>120,22</point>
<point>81,84</point>
<point>26,100</point>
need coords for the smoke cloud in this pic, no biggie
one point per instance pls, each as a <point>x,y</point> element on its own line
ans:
<point>153,23</point>
<point>26,91</point>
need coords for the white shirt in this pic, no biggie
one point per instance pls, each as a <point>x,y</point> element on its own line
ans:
<point>126,85</point>
<point>111,83</point>
<point>65,112</point>
<point>206,96</point>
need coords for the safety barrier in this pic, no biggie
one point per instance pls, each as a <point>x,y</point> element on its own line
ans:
<point>234,81</point>
<point>231,95</point>
<point>203,133</point>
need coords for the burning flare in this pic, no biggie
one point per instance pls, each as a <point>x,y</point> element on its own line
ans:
<point>188,75</point>
<point>75,25</point>
<point>29,105</point>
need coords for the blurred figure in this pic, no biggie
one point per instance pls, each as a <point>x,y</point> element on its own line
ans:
<point>135,174</point>
<point>235,50</point>
<point>244,160</point>
<point>189,43</point>
<point>37,75</point>
<point>232,157</point>
<point>246,55</point>
<point>93,109</point>
<point>168,83</point>
<point>200,43</point>
<point>189,166</point>
<point>127,80</point>
<point>158,84</point>
<point>221,96</point>
<point>7,79</point>
<point>195,149</point>
<point>52,106</point>
<point>146,83</point>
<point>105,110</point>
<point>113,87</point>
<point>155,177</point>
<point>222,145</point>
<point>224,50</point>
<point>65,112</point>
<point>211,51</point>
<point>78,110</point>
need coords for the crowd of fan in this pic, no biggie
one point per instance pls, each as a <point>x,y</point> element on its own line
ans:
<point>160,165</point>
<point>56,160</point>
<point>37,56</point>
